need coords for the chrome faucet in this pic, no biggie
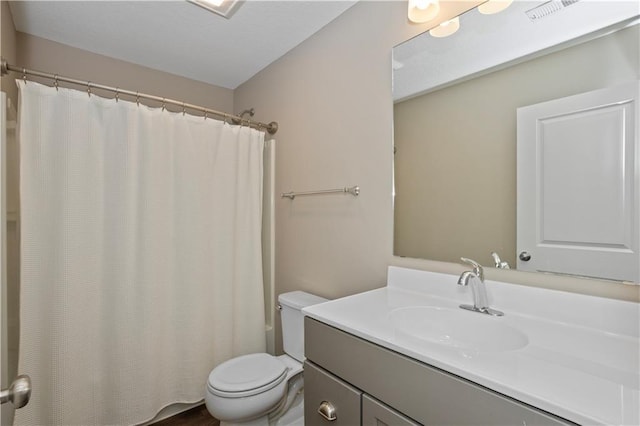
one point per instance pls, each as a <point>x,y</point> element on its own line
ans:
<point>475,279</point>
<point>499,263</point>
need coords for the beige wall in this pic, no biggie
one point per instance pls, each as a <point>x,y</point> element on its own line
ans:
<point>456,149</point>
<point>332,98</point>
<point>55,58</point>
<point>332,245</point>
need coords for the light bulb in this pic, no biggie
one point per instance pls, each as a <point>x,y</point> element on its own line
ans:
<point>494,6</point>
<point>423,10</point>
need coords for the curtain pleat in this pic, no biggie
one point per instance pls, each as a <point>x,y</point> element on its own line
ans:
<point>141,257</point>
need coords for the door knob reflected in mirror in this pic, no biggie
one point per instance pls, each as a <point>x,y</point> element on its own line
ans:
<point>524,256</point>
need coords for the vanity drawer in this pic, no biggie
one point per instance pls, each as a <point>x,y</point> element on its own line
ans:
<point>424,393</point>
<point>375,413</point>
<point>322,387</point>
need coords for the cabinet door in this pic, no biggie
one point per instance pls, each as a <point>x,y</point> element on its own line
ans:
<point>375,413</point>
<point>320,388</point>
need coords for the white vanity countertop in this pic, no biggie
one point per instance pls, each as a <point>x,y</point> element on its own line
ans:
<point>582,360</point>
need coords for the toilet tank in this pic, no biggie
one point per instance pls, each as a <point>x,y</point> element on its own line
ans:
<point>293,320</point>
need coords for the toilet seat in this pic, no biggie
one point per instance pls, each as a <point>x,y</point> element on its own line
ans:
<point>246,375</point>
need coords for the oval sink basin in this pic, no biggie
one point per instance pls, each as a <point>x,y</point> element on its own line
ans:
<point>457,328</point>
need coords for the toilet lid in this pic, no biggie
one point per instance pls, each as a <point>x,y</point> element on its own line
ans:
<point>247,373</point>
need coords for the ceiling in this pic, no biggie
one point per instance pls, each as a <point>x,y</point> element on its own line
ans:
<point>179,37</point>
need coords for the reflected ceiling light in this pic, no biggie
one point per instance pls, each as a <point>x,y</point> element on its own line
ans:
<point>423,10</point>
<point>494,6</point>
<point>224,8</point>
<point>446,28</point>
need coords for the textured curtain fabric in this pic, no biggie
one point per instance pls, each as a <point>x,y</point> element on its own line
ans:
<point>141,255</point>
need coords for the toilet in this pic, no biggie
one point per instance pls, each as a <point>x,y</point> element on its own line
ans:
<point>262,389</point>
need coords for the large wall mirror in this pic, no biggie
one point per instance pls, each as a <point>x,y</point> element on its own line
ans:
<point>455,122</point>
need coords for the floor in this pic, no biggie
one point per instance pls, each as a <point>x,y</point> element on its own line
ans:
<point>198,416</point>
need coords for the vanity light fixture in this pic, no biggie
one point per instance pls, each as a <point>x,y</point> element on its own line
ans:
<point>494,6</point>
<point>446,28</point>
<point>224,8</point>
<point>423,10</point>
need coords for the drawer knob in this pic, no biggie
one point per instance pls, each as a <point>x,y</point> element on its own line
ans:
<point>327,410</point>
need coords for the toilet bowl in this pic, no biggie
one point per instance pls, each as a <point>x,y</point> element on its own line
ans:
<point>262,389</point>
<point>251,386</point>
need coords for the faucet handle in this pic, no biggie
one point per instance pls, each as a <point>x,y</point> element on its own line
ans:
<point>477,268</point>
<point>496,259</point>
<point>499,263</point>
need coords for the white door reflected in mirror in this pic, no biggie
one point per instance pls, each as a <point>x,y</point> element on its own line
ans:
<point>578,202</point>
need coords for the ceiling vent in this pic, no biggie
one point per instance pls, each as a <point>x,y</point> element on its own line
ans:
<point>548,8</point>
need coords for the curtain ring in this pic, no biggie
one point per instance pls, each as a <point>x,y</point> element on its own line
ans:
<point>164,105</point>
<point>24,75</point>
<point>138,98</point>
<point>55,82</point>
<point>205,114</point>
<point>89,88</point>
<point>117,94</point>
<point>183,109</point>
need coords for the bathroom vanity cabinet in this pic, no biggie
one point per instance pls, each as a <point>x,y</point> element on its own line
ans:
<point>363,383</point>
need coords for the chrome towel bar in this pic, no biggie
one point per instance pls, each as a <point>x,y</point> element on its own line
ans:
<point>354,190</point>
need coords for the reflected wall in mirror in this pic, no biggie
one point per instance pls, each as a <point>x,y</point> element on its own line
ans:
<point>455,133</point>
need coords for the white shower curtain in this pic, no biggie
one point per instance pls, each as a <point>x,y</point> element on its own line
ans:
<point>141,255</point>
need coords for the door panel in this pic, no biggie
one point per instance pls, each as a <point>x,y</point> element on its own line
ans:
<point>578,202</point>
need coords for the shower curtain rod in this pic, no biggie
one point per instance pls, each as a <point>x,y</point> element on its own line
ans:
<point>5,68</point>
